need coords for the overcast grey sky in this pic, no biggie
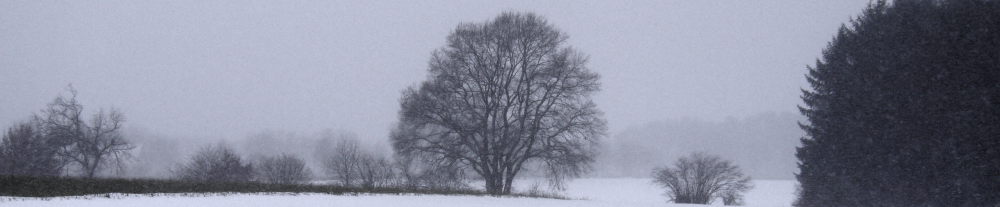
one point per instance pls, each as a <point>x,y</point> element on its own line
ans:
<point>227,69</point>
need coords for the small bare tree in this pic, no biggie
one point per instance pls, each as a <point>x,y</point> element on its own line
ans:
<point>700,178</point>
<point>283,169</point>
<point>215,164</point>
<point>90,145</point>
<point>344,161</point>
<point>375,171</point>
<point>502,96</point>
<point>354,166</point>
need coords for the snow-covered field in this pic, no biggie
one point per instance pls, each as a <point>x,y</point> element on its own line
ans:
<point>642,192</point>
<point>593,192</point>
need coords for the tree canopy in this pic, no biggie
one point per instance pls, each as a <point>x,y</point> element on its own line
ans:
<point>502,95</point>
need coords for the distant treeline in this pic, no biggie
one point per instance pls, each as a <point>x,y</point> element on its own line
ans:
<point>762,144</point>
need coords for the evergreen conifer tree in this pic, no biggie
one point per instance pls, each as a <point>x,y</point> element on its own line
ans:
<point>904,109</point>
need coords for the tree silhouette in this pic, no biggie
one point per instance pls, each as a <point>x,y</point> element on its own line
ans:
<point>903,109</point>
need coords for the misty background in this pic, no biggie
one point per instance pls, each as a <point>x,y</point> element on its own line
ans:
<point>272,77</point>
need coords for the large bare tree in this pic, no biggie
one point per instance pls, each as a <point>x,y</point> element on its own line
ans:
<point>92,145</point>
<point>503,95</point>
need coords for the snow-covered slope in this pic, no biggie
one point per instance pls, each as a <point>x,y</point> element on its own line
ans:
<point>596,192</point>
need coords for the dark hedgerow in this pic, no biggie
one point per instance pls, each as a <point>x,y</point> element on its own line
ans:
<point>27,186</point>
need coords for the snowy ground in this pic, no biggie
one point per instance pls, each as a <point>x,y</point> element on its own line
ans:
<point>596,192</point>
<point>642,192</point>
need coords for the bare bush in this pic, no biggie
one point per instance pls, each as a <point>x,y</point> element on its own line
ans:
<point>418,173</point>
<point>701,178</point>
<point>375,171</point>
<point>283,169</point>
<point>25,151</point>
<point>353,166</point>
<point>733,196</point>
<point>215,164</point>
<point>342,163</point>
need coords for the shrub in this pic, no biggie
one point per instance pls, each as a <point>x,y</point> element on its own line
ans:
<point>701,178</point>
<point>215,164</point>
<point>283,169</point>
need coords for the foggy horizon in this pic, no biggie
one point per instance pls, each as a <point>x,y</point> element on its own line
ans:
<point>500,103</point>
<point>196,69</point>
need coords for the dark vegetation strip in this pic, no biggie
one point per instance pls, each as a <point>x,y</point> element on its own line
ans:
<point>30,186</point>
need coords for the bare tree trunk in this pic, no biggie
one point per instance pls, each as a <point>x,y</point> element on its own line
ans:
<point>508,182</point>
<point>493,184</point>
<point>91,170</point>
